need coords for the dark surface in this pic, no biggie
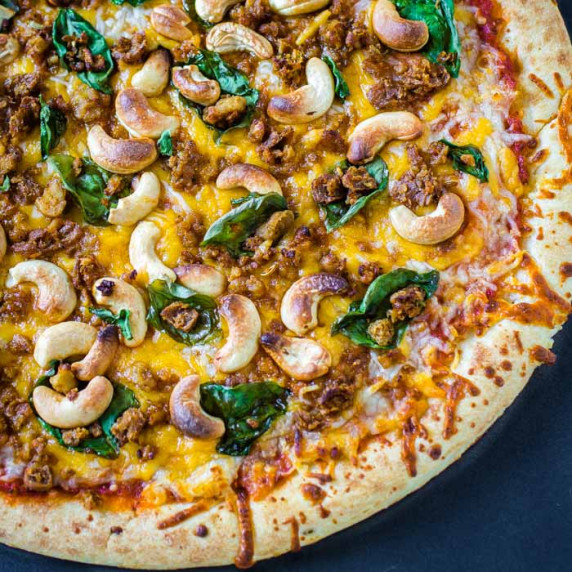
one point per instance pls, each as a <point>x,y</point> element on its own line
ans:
<point>505,506</point>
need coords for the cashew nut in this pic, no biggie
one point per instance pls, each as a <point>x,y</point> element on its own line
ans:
<point>213,11</point>
<point>231,37</point>
<point>142,253</point>
<point>202,278</point>
<point>396,32</point>
<point>119,295</point>
<point>195,86</point>
<point>64,340</point>
<point>372,134</point>
<point>308,102</point>
<point>153,77</point>
<point>301,358</point>
<point>297,7</point>
<point>9,48</point>
<point>432,228</point>
<point>187,414</point>
<point>122,156</point>
<point>56,294</point>
<point>87,406</point>
<point>139,118</point>
<point>100,356</point>
<point>244,328</point>
<point>139,203</point>
<point>171,21</point>
<point>254,179</point>
<point>299,308</point>
<point>3,243</point>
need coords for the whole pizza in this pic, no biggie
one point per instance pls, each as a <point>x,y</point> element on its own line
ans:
<point>267,266</point>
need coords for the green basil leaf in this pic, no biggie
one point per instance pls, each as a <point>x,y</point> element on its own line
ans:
<point>163,292</point>
<point>165,144</point>
<point>53,124</point>
<point>375,305</point>
<point>5,186</point>
<point>457,153</point>
<point>443,35</point>
<point>132,2</point>
<point>340,86</point>
<point>233,228</point>
<point>70,23</point>
<point>8,10</point>
<point>339,213</point>
<point>191,10</point>
<point>120,320</point>
<point>247,410</point>
<point>106,445</point>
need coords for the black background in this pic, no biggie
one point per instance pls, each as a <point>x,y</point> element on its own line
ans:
<point>505,506</point>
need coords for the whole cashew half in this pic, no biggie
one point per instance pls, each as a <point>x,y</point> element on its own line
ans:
<point>118,295</point>
<point>396,32</point>
<point>254,179</point>
<point>171,22</point>
<point>187,414</point>
<point>213,11</point>
<point>297,7</point>
<point>301,358</point>
<point>244,329</point>
<point>87,406</point>
<point>64,340</point>
<point>56,294</point>
<point>139,203</point>
<point>371,135</point>
<point>299,308</point>
<point>139,118</point>
<point>432,228</point>
<point>142,252</point>
<point>121,156</point>
<point>308,102</point>
<point>232,37</point>
<point>195,86</point>
<point>153,77</point>
<point>202,278</point>
<point>100,356</point>
<point>3,243</point>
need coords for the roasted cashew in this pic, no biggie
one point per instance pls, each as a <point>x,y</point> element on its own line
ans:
<point>3,243</point>
<point>202,278</point>
<point>9,48</point>
<point>396,32</point>
<point>308,102</point>
<point>254,179</point>
<point>432,228</point>
<point>187,414</point>
<point>153,77</point>
<point>122,156</point>
<point>87,406</point>
<point>213,11</point>
<point>297,7</point>
<point>299,308</point>
<point>56,294</point>
<point>59,342</point>
<point>301,358</point>
<point>232,37</point>
<point>139,118</point>
<point>142,253</point>
<point>195,86</point>
<point>171,22</point>
<point>100,356</point>
<point>244,328</point>
<point>139,203</point>
<point>118,295</point>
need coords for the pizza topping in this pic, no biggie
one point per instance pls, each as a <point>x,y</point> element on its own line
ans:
<point>231,37</point>
<point>180,316</point>
<point>143,255</point>
<point>100,356</point>
<point>9,49</point>
<point>226,112</point>
<point>171,22</point>
<point>212,11</point>
<point>153,77</point>
<point>195,86</point>
<point>328,189</point>
<point>202,278</point>
<point>62,341</point>
<point>131,50</point>
<point>296,7</point>
<point>468,159</point>
<point>254,179</point>
<point>128,426</point>
<point>381,331</point>
<point>144,198</point>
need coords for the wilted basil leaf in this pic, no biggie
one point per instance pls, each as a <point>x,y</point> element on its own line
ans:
<point>162,293</point>
<point>375,305</point>
<point>468,159</point>
<point>5,186</point>
<point>52,126</point>
<point>8,10</point>
<point>70,23</point>
<point>132,2</point>
<point>120,320</point>
<point>247,410</point>
<point>340,86</point>
<point>165,144</point>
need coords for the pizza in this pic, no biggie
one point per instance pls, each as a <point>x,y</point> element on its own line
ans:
<point>267,266</point>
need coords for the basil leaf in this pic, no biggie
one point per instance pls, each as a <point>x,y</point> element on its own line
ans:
<point>106,445</point>
<point>339,213</point>
<point>8,10</point>
<point>233,228</point>
<point>162,293</point>
<point>191,10</point>
<point>340,86</point>
<point>247,410</point>
<point>70,23</point>
<point>443,35</point>
<point>120,320</point>
<point>165,144</point>
<point>132,2</point>
<point>458,154</point>
<point>375,305</point>
<point>53,124</point>
<point>5,184</point>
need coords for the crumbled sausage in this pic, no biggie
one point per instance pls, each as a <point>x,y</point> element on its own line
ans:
<point>276,226</point>
<point>358,182</point>
<point>368,272</point>
<point>73,437</point>
<point>257,130</point>
<point>24,190</point>
<point>289,64</point>
<point>90,105</point>
<point>189,168</point>
<point>24,118</point>
<point>406,303</point>
<point>59,235</point>
<point>131,50</point>
<point>52,203</point>
<point>332,264</point>
<point>64,380</point>
<point>181,316</point>
<point>276,148</point>
<point>9,161</point>
<point>79,57</point>
<point>129,426</point>
<point>226,112</point>
<point>20,345</point>
<point>252,286</point>
<point>23,85</point>
<point>14,304</point>
<point>382,331</point>
<point>328,189</point>
<point>16,409</point>
<point>38,477</point>
<point>86,271</point>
